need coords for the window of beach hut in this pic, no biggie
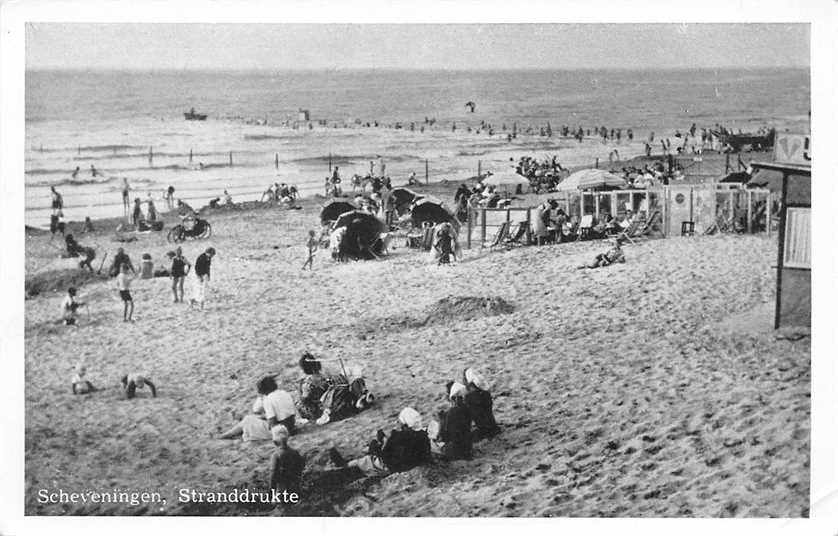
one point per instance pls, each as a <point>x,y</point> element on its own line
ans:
<point>603,204</point>
<point>588,203</point>
<point>623,200</point>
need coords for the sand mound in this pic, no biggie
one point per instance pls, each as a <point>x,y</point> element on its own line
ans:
<point>59,280</point>
<point>445,311</point>
<point>466,308</point>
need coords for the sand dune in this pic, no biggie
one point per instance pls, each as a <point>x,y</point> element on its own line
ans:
<point>621,392</point>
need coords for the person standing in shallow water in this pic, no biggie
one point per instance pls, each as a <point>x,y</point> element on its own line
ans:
<point>126,203</point>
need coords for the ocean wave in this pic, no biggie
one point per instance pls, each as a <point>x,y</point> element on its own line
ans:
<point>86,182</point>
<point>338,159</point>
<point>260,137</point>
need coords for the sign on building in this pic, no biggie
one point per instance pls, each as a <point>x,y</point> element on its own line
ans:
<point>793,149</point>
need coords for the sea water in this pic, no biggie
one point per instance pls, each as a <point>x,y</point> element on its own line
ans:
<point>131,125</point>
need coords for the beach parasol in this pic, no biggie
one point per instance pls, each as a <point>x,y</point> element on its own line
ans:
<point>589,179</point>
<point>506,178</point>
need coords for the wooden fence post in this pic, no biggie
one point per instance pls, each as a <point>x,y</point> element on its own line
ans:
<point>768,214</point>
<point>482,227</point>
<point>468,227</point>
<point>750,213</point>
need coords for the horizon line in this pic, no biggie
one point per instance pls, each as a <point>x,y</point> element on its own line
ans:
<point>397,69</point>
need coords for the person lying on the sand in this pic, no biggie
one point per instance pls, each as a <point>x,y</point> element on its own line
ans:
<point>453,431</point>
<point>286,463</point>
<point>74,249</point>
<point>70,306</point>
<point>80,385</point>
<point>613,255</point>
<point>132,382</point>
<point>478,400</point>
<point>405,448</point>
<point>272,406</point>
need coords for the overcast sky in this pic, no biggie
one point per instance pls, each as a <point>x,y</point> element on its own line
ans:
<point>395,46</point>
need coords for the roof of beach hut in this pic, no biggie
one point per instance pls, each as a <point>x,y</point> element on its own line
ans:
<point>767,178</point>
<point>333,209</point>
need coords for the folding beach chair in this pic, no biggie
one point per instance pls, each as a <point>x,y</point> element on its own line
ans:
<point>585,226</point>
<point>500,236</point>
<point>521,236</point>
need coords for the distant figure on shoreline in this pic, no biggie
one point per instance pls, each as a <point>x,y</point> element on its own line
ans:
<point>93,172</point>
<point>170,197</point>
<point>311,245</point>
<point>76,172</point>
<point>57,200</point>
<point>126,203</point>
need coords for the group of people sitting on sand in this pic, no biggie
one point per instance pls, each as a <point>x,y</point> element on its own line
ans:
<point>324,397</point>
<point>279,193</point>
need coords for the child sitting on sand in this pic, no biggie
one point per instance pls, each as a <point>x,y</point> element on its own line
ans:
<point>451,436</point>
<point>478,400</point>
<point>134,381</point>
<point>70,306</point>
<point>80,385</point>
<point>286,463</point>
<point>613,255</point>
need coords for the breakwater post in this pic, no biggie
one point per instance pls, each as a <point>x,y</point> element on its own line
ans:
<point>479,165</point>
<point>426,171</point>
<point>190,156</point>
<point>150,155</point>
<point>276,160</point>
<point>231,158</point>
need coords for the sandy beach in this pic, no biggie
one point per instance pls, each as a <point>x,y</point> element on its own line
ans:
<point>652,388</point>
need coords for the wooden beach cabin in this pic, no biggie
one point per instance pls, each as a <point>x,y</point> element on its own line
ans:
<point>792,177</point>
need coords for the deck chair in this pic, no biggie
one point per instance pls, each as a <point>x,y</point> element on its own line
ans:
<point>585,226</point>
<point>629,232</point>
<point>520,237</point>
<point>645,228</point>
<point>428,239</point>
<point>500,236</point>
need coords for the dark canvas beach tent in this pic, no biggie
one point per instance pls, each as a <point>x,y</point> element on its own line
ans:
<point>740,177</point>
<point>403,198</point>
<point>767,178</point>
<point>363,235</point>
<point>433,212</point>
<point>332,210</point>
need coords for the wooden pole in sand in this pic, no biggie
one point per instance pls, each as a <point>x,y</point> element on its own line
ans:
<point>426,171</point>
<point>190,156</point>
<point>330,163</point>
<point>468,229</point>
<point>231,158</point>
<point>150,155</point>
<point>768,214</point>
<point>596,164</point>
<point>479,164</point>
<point>276,160</point>
<point>482,227</point>
<point>750,213</point>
